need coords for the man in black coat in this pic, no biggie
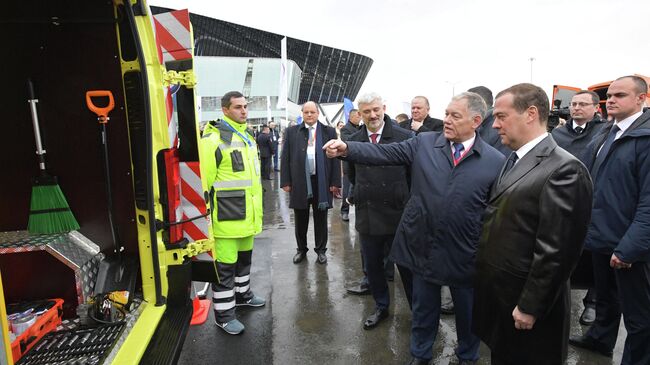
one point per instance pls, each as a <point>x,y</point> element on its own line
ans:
<point>310,178</point>
<point>350,128</point>
<point>451,176</point>
<point>574,136</point>
<point>267,150</point>
<point>380,194</point>
<point>534,225</point>
<point>275,137</point>
<point>420,120</point>
<point>487,133</point>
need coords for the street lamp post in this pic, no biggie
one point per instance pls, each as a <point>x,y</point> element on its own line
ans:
<point>453,87</point>
<point>531,68</point>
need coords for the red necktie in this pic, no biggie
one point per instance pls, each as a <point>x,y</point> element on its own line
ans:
<point>373,137</point>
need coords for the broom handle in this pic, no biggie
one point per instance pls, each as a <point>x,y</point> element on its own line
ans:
<point>40,152</point>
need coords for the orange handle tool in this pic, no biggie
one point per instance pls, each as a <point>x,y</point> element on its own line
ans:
<point>102,112</point>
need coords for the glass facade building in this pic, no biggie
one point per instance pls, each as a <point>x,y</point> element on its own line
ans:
<point>328,74</point>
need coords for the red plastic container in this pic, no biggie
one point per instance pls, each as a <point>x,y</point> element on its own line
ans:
<point>45,323</point>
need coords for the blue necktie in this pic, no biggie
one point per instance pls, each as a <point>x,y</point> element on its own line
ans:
<point>458,150</point>
<point>602,154</point>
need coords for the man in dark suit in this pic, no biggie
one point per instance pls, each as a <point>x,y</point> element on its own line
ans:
<point>267,150</point>
<point>310,178</point>
<point>275,137</point>
<point>534,226</point>
<point>380,194</point>
<point>574,136</point>
<point>350,128</point>
<point>487,133</point>
<point>619,233</point>
<point>420,120</point>
<point>451,173</point>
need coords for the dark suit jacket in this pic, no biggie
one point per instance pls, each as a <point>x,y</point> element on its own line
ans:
<point>429,125</point>
<point>265,145</point>
<point>292,165</point>
<point>490,135</point>
<point>534,226</point>
<point>276,137</point>
<point>380,192</point>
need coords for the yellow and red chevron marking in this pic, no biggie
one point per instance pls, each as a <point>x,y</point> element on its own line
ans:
<point>192,201</point>
<point>173,35</point>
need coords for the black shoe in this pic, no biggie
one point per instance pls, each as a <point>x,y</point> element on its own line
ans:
<point>345,217</point>
<point>447,308</point>
<point>322,259</point>
<point>588,316</point>
<point>299,256</point>
<point>416,361</point>
<point>361,289</point>
<point>590,344</point>
<point>373,320</point>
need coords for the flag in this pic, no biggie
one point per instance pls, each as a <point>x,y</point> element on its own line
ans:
<point>299,120</point>
<point>268,109</point>
<point>347,107</point>
<point>282,93</point>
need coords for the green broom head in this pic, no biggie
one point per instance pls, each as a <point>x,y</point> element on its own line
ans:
<point>49,210</point>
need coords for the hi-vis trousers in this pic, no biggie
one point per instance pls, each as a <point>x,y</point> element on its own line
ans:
<point>233,267</point>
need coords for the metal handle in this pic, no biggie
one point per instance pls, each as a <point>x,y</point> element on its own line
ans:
<point>40,152</point>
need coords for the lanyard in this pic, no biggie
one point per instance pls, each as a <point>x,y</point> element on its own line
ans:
<point>246,139</point>
<point>456,161</point>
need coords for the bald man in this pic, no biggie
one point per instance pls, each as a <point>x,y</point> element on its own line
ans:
<point>310,178</point>
<point>420,120</point>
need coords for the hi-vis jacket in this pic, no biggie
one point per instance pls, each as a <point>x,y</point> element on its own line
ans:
<point>231,166</point>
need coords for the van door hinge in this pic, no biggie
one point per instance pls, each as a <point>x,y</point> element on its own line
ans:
<point>185,78</point>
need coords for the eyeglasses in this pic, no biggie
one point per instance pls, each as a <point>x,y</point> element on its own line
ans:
<point>582,105</point>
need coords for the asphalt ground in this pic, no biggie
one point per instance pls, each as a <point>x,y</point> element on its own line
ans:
<point>309,318</point>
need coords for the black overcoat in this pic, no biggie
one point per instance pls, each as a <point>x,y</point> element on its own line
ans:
<point>380,192</point>
<point>292,166</point>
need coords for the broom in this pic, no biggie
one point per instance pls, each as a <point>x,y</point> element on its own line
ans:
<point>48,211</point>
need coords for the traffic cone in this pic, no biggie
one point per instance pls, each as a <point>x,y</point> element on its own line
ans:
<point>200,309</point>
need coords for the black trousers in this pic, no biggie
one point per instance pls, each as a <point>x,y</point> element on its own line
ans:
<point>301,217</point>
<point>625,291</point>
<point>345,207</point>
<point>373,251</point>
<point>407,282</point>
<point>266,167</point>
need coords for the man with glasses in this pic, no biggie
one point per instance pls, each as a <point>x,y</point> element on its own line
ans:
<point>585,122</point>
<point>574,136</point>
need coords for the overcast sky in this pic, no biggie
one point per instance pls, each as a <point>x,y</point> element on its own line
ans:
<point>432,47</point>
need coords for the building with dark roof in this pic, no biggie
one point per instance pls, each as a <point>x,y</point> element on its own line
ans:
<point>328,74</point>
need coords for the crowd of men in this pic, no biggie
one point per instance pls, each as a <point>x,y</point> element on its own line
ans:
<point>491,204</point>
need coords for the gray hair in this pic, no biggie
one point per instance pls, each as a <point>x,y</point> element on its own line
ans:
<point>369,98</point>
<point>475,103</point>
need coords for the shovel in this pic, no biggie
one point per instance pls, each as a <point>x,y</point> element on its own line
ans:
<point>117,272</point>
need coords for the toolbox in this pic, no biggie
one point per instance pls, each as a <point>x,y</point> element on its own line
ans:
<point>45,323</point>
<point>83,345</point>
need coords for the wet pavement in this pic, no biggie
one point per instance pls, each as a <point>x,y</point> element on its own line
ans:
<point>309,318</point>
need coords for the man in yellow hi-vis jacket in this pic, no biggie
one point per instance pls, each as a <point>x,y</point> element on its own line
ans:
<point>230,163</point>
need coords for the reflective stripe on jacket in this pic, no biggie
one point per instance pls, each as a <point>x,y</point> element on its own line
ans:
<point>231,166</point>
